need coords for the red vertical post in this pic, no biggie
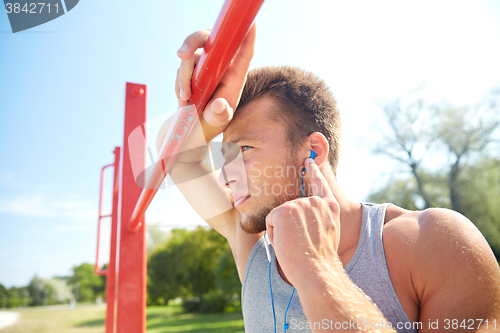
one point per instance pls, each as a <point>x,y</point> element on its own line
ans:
<point>131,300</point>
<point>111,276</point>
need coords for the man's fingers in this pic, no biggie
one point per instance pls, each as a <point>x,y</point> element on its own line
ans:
<point>184,82</point>
<point>185,75</point>
<point>190,53</point>
<point>177,84</point>
<point>192,43</point>
<point>180,102</point>
<point>318,183</point>
<point>218,113</point>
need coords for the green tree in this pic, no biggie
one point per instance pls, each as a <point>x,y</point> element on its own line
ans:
<point>3,291</point>
<point>479,192</point>
<point>451,155</point>
<point>195,266</point>
<point>406,137</point>
<point>226,276</point>
<point>18,297</point>
<point>48,291</point>
<point>156,237</point>
<point>4,296</point>
<point>464,133</point>
<point>417,131</point>
<point>166,273</point>
<point>88,284</point>
<point>36,290</point>
<point>478,187</point>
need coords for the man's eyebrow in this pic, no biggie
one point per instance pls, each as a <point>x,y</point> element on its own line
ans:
<point>250,137</point>
<point>235,141</point>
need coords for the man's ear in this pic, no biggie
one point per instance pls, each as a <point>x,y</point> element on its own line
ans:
<point>318,142</point>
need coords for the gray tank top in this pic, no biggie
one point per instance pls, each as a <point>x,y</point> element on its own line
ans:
<point>367,269</point>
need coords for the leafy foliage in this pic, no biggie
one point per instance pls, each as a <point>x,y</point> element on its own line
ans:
<point>48,291</point>
<point>86,283</point>
<point>196,266</point>
<point>478,188</point>
<point>451,155</point>
<point>14,297</point>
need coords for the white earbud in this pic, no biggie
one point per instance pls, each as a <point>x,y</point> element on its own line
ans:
<point>266,241</point>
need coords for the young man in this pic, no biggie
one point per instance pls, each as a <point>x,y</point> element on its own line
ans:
<point>432,270</point>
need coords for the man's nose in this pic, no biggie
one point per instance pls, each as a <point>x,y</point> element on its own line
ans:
<point>230,175</point>
<point>233,174</point>
<point>225,180</point>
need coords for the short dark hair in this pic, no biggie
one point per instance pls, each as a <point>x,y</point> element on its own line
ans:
<point>304,103</point>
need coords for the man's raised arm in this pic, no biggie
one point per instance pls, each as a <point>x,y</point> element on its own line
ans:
<point>192,171</point>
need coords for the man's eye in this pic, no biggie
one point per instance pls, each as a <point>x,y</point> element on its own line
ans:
<point>244,148</point>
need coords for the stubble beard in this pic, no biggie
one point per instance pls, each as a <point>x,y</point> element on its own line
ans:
<point>256,222</point>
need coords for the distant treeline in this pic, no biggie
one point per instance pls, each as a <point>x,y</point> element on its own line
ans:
<point>83,286</point>
<point>194,267</point>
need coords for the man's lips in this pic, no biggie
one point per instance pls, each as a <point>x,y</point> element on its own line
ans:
<point>239,198</point>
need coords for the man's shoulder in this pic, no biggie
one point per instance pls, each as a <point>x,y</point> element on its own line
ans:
<point>439,231</point>
<point>428,226</point>
<point>443,252</point>
<point>430,218</point>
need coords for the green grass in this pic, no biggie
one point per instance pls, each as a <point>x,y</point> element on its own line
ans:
<point>59,320</point>
<point>90,319</point>
<point>173,320</point>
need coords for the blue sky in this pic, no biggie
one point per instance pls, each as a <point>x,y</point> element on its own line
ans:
<point>62,98</point>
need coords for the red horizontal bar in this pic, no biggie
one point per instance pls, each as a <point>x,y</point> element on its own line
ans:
<point>231,27</point>
<point>101,272</point>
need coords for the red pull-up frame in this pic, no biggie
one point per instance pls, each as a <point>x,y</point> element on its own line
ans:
<point>110,272</point>
<point>97,269</point>
<point>126,282</point>
<point>231,27</point>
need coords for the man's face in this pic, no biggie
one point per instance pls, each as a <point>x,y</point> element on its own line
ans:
<point>265,173</point>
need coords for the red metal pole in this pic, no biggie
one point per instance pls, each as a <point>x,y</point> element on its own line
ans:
<point>97,269</point>
<point>131,300</point>
<point>111,278</point>
<point>231,27</point>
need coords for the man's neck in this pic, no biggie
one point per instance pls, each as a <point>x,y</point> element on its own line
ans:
<point>351,214</point>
